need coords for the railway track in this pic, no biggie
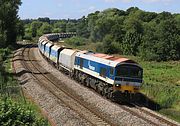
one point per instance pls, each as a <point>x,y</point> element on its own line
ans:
<point>148,115</point>
<point>157,116</point>
<point>53,85</point>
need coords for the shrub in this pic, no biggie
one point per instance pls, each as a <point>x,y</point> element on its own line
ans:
<point>76,41</point>
<point>15,114</point>
<point>28,36</point>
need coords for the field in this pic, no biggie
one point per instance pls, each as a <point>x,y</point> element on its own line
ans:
<point>161,82</point>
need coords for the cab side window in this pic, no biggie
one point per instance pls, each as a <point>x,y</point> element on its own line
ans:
<point>111,71</point>
<point>103,72</point>
<point>81,63</point>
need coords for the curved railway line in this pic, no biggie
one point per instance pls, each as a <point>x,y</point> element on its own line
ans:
<point>52,84</point>
<point>59,90</point>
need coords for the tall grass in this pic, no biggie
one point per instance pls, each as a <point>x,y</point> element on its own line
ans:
<point>165,95</point>
<point>162,84</point>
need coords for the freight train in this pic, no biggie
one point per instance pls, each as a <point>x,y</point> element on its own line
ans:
<point>112,77</point>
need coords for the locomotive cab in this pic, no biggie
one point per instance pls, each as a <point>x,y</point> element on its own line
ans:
<point>128,77</point>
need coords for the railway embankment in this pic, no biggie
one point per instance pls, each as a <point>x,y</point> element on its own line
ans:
<point>57,114</point>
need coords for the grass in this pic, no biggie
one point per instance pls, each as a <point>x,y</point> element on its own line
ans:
<point>171,113</point>
<point>161,82</point>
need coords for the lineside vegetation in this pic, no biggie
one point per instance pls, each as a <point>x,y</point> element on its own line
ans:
<point>14,109</point>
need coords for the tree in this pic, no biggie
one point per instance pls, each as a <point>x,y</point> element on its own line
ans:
<point>108,46</point>
<point>71,27</point>
<point>8,21</point>
<point>92,17</point>
<point>35,25</point>
<point>168,47</point>
<point>133,36</point>
<point>117,30</point>
<point>20,29</point>
<point>132,10</point>
<point>82,27</point>
<point>150,35</point>
<point>46,19</point>
<point>45,29</point>
<point>60,26</point>
<point>147,51</point>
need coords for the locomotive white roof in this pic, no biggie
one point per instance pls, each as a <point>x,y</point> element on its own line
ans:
<point>99,60</point>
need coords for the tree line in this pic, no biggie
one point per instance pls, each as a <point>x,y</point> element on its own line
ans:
<point>150,35</point>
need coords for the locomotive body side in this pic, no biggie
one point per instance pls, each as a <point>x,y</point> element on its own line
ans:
<point>94,66</point>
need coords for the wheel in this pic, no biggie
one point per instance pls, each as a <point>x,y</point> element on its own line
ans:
<point>105,91</point>
<point>99,89</point>
<point>87,82</point>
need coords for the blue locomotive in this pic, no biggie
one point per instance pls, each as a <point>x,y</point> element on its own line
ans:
<point>108,75</point>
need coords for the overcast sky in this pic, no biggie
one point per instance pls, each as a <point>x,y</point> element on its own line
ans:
<point>63,9</point>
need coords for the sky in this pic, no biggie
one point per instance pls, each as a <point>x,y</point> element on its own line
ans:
<point>74,9</point>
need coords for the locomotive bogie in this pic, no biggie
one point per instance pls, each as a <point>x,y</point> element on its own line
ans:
<point>100,86</point>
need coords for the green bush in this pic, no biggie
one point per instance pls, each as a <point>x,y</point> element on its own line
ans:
<point>16,114</point>
<point>4,53</point>
<point>147,55</point>
<point>76,41</point>
<point>28,36</point>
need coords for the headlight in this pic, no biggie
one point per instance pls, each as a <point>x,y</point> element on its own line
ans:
<point>117,85</point>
